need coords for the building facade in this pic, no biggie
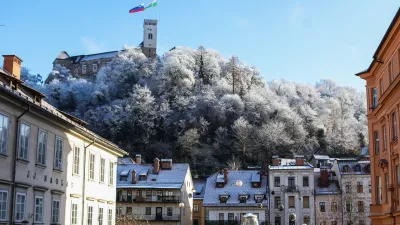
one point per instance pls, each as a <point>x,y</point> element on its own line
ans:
<point>159,193</point>
<point>199,212</point>
<point>52,169</point>
<point>89,65</point>
<point>291,184</point>
<point>230,195</point>
<point>383,100</point>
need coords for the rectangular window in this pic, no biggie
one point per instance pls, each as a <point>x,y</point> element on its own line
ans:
<point>305,181</point>
<point>277,181</point>
<point>84,69</point>
<point>360,205</point>
<point>74,214</point>
<point>24,131</point>
<point>38,209</point>
<point>41,148</point>
<point>91,166</point>
<point>348,187</point>
<point>360,188</point>
<point>277,202</point>
<point>394,121</point>
<point>148,210</point>
<point>101,214</point>
<point>3,134</point>
<point>277,221</point>
<point>119,210</point>
<point>148,193</point>
<point>111,174</point>
<point>90,215</point>
<point>76,162</point>
<point>94,68</point>
<point>398,174</point>
<point>20,207</point>
<point>306,202</point>
<point>109,216</point>
<point>231,217</point>
<point>3,205</point>
<point>291,202</point>
<point>196,207</point>
<point>291,182</point>
<point>334,223</point>
<point>129,210</point>
<point>379,190</point>
<point>169,211</point>
<point>374,98</point>
<point>390,70</point>
<point>384,137</point>
<point>58,153</point>
<point>333,206</point>
<point>381,87</point>
<point>348,206</point>
<point>386,187</point>
<point>55,211</point>
<point>102,169</point>
<point>221,217</point>
<point>322,207</point>
<point>376,136</point>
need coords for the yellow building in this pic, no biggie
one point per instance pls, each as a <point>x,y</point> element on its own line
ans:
<point>199,213</point>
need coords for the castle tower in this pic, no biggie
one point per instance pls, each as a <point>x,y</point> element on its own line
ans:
<point>149,47</point>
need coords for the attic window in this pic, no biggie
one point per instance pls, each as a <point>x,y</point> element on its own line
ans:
<point>259,198</point>
<point>243,198</point>
<point>223,198</point>
<point>142,177</point>
<point>124,175</point>
<point>37,99</point>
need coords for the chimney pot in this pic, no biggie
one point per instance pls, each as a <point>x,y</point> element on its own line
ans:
<point>156,165</point>
<point>12,64</point>
<point>138,159</point>
<point>275,160</point>
<point>225,171</point>
<point>133,176</point>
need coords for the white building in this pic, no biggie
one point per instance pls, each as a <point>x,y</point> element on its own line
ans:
<point>231,194</point>
<point>159,193</point>
<point>291,184</point>
<point>52,169</point>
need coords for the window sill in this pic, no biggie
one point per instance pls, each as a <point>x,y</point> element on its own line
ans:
<point>101,182</point>
<point>91,180</point>
<point>110,185</point>
<point>40,165</point>
<point>24,161</point>
<point>3,155</point>
<point>76,175</point>
<point>57,170</point>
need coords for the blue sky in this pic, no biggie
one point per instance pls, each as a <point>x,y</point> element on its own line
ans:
<point>303,41</point>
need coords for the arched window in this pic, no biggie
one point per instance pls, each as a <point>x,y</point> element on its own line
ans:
<point>346,168</point>
<point>150,36</point>
<point>357,168</point>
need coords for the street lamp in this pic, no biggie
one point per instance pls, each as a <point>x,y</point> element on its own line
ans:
<point>181,206</point>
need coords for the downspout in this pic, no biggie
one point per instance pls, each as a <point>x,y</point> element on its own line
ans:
<point>84,180</point>
<point>14,170</point>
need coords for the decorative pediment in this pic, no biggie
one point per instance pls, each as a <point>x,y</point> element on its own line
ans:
<point>383,163</point>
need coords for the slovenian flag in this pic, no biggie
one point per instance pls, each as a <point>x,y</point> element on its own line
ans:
<point>152,4</point>
<point>137,9</point>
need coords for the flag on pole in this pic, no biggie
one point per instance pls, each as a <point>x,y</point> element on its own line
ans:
<point>152,4</point>
<point>137,9</point>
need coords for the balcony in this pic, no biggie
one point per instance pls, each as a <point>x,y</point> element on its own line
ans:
<point>158,217</point>
<point>293,188</point>
<point>228,222</point>
<point>141,199</point>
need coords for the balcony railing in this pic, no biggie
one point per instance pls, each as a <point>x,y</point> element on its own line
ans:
<point>158,217</point>
<point>139,199</point>
<point>292,188</point>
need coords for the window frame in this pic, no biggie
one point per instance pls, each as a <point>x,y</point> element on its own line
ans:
<point>4,123</point>
<point>360,206</point>
<point>394,125</point>
<point>92,165</point>
<point>90,215</point>
<point>305,181</point>
<point>374,98</point>
<point>39,149</point>
<point>195,207</point>
<point>390,71</point>
<point>384,137</point>
<point>57,214</point>
<point>101,216</point>
<point>94,67</point>
<point>277,181</point>
<point>360,187</point>
<point>58,153</point>
<point>322,206</point>
<point>292,206</point>
<point>16,206</point>
<point>381,87</point>
<point>6,205</point>
<point>277,201</point>
<point>111,173</point>
<point>169,211</point>
<point>76,160</point>
<point>376,143</point>
<point>26,151</point>
<point>102,169</point>
<point>306,206</point>
<point>74,213</point>
<point>334,207</point>
<point>109,216</point>
<point>84,69</point>
<point>36,213</point>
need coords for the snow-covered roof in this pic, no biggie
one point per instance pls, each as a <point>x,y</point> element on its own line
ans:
<point>212,193</point>
<point>321,157</point>
<point>126,160</point>
<point>290,164</point>
<point>103,55</point>
<point>170,179</point>
<point>200,188</point>
<point>332,188</point>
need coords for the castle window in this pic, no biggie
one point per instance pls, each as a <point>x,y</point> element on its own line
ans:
<point>150,36</point>
<point>84,69</point>
<point>94,68</point>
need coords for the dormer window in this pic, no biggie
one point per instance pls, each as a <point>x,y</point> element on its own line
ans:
<point>223,198</point>
<point>259,198</point>
<point>243,198</point>
<point>143,175</point>
<point>124,175</point>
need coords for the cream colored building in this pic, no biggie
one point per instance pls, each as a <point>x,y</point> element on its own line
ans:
<point>159,193</point>
<point>52,169</point>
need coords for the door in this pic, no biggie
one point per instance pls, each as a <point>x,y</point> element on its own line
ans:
<point>158,213</point>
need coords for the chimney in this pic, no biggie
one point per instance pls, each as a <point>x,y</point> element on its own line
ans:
<point>166,164</point>
<point>275,160</point>
<point>138,159</point>
<point>225,175</point>
<point>299,160</point>
<point>323,178</point>
<point>12,64</point>
<point>156,165</point>
<point>133,176</point>
<point>265,169</point>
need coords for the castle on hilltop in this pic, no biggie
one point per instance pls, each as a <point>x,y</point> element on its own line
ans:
<point>89,65</point>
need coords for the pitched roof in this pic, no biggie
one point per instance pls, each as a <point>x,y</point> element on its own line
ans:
<point>169,179</point>
<point>332,189</point>
<point>391,26</point>
<point>212,193</point>
<point>200,188</point>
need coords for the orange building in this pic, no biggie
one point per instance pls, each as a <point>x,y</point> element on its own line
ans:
<point>383,100</point>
